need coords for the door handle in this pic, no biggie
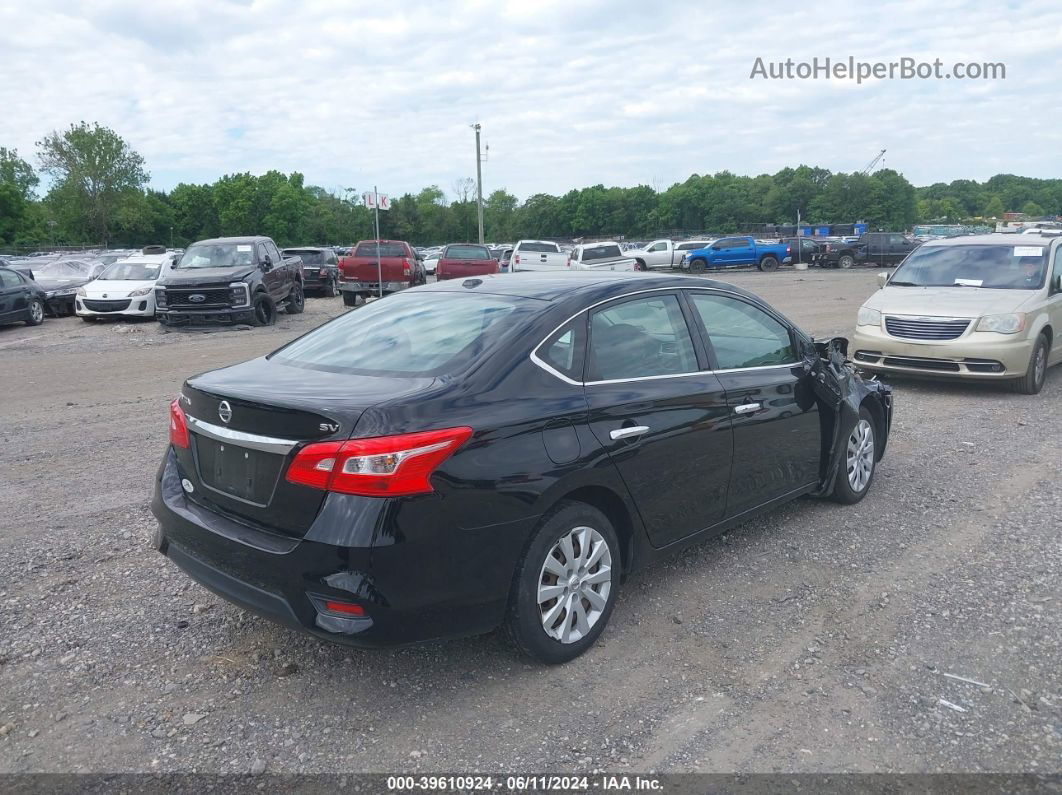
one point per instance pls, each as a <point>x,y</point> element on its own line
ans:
<point>627,433</point>
<point>747,408</point>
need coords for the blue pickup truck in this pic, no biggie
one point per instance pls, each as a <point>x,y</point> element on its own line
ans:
<point>736,252</point>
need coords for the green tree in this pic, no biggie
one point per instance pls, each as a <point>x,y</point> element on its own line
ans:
<point>94,169</point>
<point>993,208</point>
<point>17,172</point>
<point>1032,208</point>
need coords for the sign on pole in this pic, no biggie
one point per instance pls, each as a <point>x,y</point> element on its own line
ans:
<point>383,201</point>
<point>369,199</point>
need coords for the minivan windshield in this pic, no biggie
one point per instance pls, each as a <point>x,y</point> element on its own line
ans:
<point>218,255</point>
<point>1001,267</point>
<point>417,334</point>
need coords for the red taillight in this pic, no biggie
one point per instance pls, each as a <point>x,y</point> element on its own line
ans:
<point>344,607</point>
<point>516,259</point>
<point>385,466</point>
<point>178,426</point>
<point>407,269</point>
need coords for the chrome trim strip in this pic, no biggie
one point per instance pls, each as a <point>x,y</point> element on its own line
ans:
<point>545,366</point>
<point>267,444</point>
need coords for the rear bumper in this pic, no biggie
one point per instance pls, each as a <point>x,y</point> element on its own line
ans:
<point>977,355</point>
<point>278,576</point>
<point>371,288</point>
<point>315,281</point>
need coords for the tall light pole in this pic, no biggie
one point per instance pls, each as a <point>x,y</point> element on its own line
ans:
<point>479,183</point>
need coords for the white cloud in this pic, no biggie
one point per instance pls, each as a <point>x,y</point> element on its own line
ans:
<point>568,93</point>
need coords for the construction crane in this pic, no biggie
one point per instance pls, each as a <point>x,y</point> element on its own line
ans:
<point>874,162</point>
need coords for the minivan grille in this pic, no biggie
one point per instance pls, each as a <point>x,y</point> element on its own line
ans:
<point>940,329</point>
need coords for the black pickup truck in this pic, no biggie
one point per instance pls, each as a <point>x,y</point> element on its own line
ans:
<point>878,248</point>
<point>230,280</point>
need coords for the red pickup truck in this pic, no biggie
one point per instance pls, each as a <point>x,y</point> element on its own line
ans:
<point>462,260</point>
<point>399,267</point>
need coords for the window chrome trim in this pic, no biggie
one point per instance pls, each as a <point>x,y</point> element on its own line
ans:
<point>535,359</point>
<point>267,444</point>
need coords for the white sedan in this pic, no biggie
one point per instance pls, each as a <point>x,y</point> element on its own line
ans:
<point>125,289</point>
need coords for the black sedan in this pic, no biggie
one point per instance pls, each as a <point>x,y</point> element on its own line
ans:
<point>21,299</point>
<point>503,450</point>
<point>320,269</point>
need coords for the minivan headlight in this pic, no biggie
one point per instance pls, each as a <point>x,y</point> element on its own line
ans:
<point>868,317</point>
<point>1002,324</point>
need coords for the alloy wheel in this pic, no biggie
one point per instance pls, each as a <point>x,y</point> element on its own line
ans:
<point>574,584</point>
<point>36,312</point>
<point>860,455</point>
<point>1040,365</point>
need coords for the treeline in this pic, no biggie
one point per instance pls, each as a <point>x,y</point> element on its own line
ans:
<point>99,195</point>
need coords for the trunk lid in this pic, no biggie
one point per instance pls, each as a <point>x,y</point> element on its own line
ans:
<point>463,268</point>
<point>246,423</point>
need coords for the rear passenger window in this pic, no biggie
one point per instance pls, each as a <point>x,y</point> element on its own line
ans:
<point>742,335</point>
<point>564,350</point>
<point>639,339</point>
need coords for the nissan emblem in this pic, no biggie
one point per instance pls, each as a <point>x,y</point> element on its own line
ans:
<point>225,411</point>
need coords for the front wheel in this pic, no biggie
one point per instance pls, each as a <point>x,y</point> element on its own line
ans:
<point>296,300</point>
<point>697,266</point>
<point>769,264</point>
<point>36,312</point>
<point>565,584</point>
<point>1033,380</point>
<point>265,310</point>
<point>845,261</point>
<point>857,468</point>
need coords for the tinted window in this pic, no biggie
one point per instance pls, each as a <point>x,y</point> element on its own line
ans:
<point>549,247</point>
<point>640,338</point>
<point>564,350</point>
<point>466,252</point>
<point>9,279</point>
<point>599,252</point>
<point>689,246</point>
<point>428,334</point>
<point>308,256</point>
<point>386,250</point>
<point>742,335</point>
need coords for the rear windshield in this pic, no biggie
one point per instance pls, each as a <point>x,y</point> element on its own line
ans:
<point>466,252</point>
<point>550,247</point>
<point>418,334</point>
<point>386,250</point>
<point>600,252</point>
<point>1004,267</point>
<point>307,257</point>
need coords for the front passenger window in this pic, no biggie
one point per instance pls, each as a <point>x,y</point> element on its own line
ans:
<point>640,338</point>
<point>743,335</point>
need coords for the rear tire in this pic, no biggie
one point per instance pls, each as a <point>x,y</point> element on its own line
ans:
<point>296,300</point>
<point>639,265</point>
<point>350,299</point>
<point>769,264</point>
<point>559,606</point>
<point>36,312</point>
<point>1033,381</point>
<point>698,266</point>
<point>265,310</point>
<point>845,261</point>
<point>855,472</point>
<point>332,290</point>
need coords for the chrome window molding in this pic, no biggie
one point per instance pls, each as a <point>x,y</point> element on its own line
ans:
<point>538,361</point>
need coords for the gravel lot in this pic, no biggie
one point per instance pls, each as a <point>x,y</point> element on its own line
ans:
<point>815,638</point>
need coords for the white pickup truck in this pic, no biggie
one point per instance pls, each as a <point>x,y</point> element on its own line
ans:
<point>538,255</point>
<point>603,256</point>
<point>662,254</point>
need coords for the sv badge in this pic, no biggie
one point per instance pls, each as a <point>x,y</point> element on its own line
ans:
<point>331,427</point>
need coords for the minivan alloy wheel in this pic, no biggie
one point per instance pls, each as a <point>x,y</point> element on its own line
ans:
<point>574,584</point>
<point>860,455</point>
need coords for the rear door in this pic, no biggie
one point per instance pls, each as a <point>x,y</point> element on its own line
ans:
<point>11,294</point>
<point>777,437</point>
<point>271,277</point>
<point>659,412</point>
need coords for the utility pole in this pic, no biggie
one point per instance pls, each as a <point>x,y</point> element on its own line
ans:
<point>479,183</point>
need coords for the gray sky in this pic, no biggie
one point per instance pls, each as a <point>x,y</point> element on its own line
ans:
<point>569,93</point>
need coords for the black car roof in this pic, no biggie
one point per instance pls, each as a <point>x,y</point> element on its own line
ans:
<point>551,285</point>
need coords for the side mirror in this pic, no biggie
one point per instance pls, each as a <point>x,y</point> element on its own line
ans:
<point>267,264</point>
<point>883,279</point>
<point>1058,283</point>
